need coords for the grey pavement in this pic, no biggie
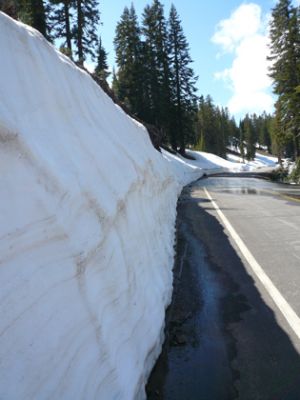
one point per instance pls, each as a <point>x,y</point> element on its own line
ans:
<point>267,218</point>
<point>225,337</point>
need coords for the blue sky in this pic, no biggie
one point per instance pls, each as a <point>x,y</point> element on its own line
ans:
<point>228,43</point>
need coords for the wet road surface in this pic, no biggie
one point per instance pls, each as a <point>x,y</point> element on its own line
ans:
<point>225,336</point>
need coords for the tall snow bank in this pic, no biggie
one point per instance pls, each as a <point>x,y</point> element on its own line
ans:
<point>184,169</point>
<point>87,218</point>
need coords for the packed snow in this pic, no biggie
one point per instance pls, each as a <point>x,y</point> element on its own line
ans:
<point>87,215</point>
<point>86,233</point>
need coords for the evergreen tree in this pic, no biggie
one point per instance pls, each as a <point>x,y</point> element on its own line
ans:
<point>184,98</point>
<point>101,69</point>
<point>115,83</point>
<point>156,62</point>
<point>263,130</point>
<point>285,71</point>
<point>224,124</point>
<point>33,13</point>
<point>200,126</point>
<point>85,30</point>
<point>278,134</point>
<point>233,132</point>
<point>249,136</point>
<point>129,58</point>
<point>9,7</point>
<point>242,141</point>
<point>154,77</point>
<point>214,127</point>
<point>61,16</point>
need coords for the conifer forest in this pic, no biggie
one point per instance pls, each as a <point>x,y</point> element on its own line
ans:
<point>154,79</point>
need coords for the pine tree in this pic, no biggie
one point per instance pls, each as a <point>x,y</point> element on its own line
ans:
<point>285,71</point>
<point>9,7</point>
<point>263,130</point>
<point>224,131</point>
<point>156,87</point>
<point>249,136</point>
<point>156,63</point>
<point>200,126</point>
<point>207,122</point>
<point>85,30</point>
<point>115,83</point>
<point>33,13</point>
<point>101,69</point>
<point>242,141</point>
<point>278,134</point>
<point>129,58</point>
<point>214,128</point>
<point>233,132</point>
<point>61,23</point>
<point>184,98</point>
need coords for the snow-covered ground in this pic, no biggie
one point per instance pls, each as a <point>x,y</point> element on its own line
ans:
<point>208,163</point>
<point>87,217</point>
<point>260,161</point>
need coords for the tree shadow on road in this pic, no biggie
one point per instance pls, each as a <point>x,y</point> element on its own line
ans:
<point>222,340</point>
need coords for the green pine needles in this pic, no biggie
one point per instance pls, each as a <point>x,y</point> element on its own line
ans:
<point>285,72</point>
<point>154,75</point>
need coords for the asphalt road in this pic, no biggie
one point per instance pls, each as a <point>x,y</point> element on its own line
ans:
<point>226,336</point>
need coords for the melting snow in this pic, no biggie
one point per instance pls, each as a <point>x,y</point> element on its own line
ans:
<point>86,232</point>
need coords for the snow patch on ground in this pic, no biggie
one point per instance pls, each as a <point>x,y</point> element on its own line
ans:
<point>260,161</point>
<point>204,163</point>
<point>207,163</point>
<point>211,163</point>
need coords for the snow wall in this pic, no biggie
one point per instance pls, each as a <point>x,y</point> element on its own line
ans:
<point>87,216</point>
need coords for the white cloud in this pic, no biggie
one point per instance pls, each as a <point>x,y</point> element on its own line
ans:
<point>243,22</point>
<point>245,35</point>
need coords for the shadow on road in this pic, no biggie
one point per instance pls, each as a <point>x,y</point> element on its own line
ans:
<point>222,340</point>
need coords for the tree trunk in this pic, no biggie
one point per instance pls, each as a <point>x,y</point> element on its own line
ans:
<point>296,147</point>
<point>39,17</point>
<point>67,25</point>
<point>80,31</point>
<point>179,107</point>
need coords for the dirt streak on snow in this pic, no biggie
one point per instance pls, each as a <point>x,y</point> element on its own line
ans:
<point>87,218</point>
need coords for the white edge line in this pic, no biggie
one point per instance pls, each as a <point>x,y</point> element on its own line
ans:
<point>286,310</point>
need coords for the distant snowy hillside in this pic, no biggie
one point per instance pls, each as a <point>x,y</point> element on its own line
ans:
<point>210,163</point>
<point>87,218</point>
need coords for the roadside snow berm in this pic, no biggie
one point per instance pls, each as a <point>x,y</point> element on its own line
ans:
<point>86,233</point>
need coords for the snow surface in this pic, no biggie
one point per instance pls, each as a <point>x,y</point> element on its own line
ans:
<point>210,163</point>
<point>185,170</point>
<point>260,161</point>
<point>87,218</point>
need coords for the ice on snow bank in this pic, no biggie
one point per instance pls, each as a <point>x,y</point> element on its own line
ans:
<point>86,232</point>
